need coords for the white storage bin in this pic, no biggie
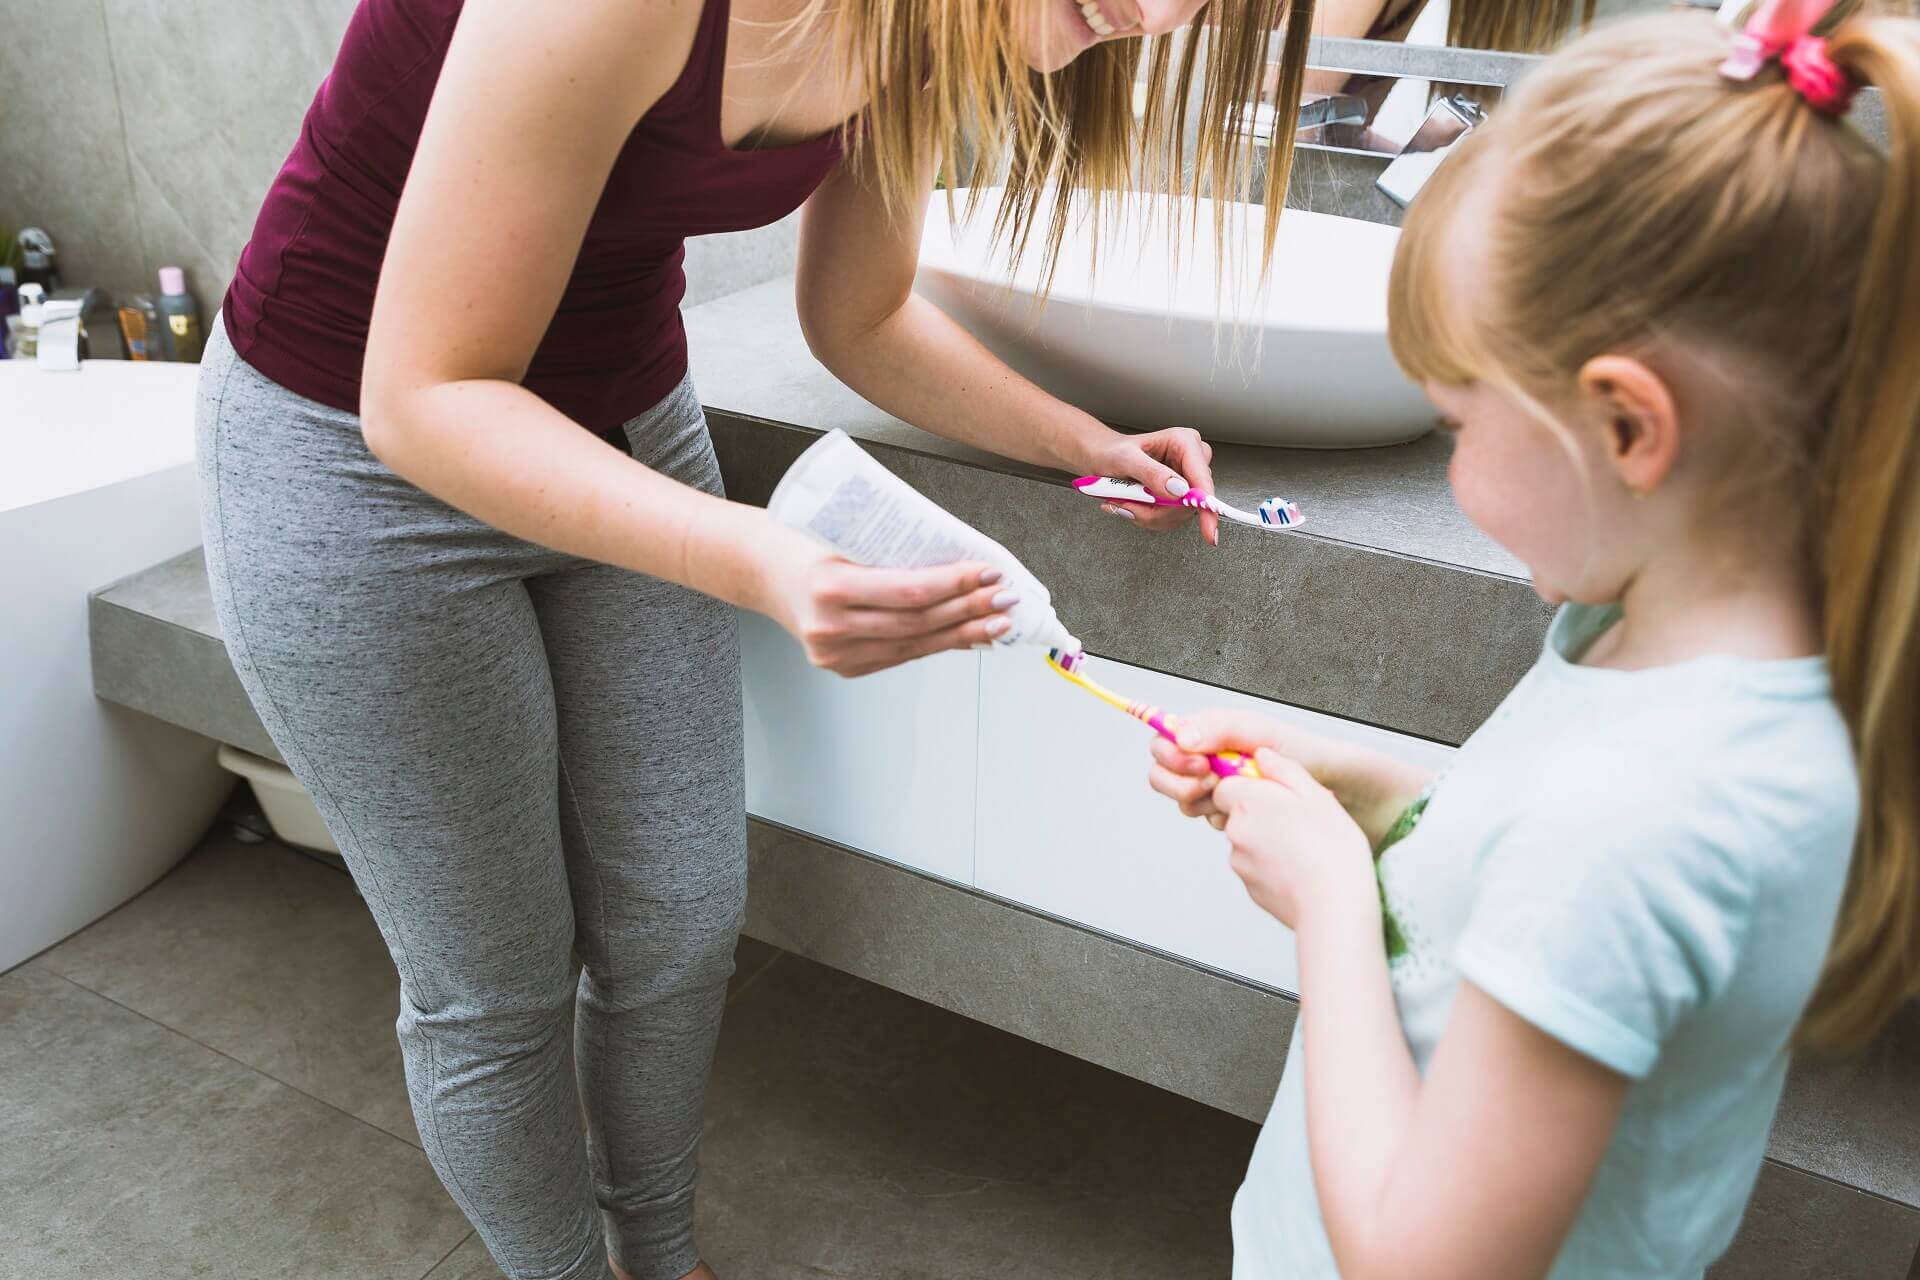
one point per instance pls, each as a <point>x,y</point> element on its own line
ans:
<point>290,811</point>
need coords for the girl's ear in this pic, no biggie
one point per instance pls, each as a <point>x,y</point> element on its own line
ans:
<point>1640,422</point>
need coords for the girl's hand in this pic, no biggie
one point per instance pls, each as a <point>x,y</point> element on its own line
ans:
<point>1292,842</point>
<point>1373,787</point>
<point>854,620</point>
<point>1169,462</point>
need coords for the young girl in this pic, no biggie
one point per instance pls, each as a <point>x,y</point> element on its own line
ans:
<point>1668,304</point>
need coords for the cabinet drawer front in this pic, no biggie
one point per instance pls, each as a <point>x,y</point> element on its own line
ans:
<point>884,763</point>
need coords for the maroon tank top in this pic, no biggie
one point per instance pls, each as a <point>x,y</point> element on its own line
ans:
<point>300,302</point>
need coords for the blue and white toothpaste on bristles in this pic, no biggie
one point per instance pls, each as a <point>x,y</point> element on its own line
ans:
<point>1274,513</point>
<point>1281,513</point>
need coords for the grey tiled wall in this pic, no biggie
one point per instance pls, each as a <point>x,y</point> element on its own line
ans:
<point>143,133</point>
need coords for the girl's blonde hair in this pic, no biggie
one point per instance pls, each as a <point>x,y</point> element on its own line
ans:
<point>1634,200</point>
<point>950,93</point>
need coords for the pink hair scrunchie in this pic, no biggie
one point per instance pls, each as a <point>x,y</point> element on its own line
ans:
<point>1816,77</point>
<point>1783,29</point>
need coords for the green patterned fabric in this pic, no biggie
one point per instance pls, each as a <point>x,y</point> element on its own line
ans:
<point>1401,828</point>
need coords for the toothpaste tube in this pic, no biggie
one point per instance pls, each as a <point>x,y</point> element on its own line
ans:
<point>837,492</point>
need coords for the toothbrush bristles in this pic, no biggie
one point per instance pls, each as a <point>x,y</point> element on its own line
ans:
<point>1279,512</point>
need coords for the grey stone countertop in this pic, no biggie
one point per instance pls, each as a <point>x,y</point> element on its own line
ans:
<point>1387,607</point>
<point>749,360</point>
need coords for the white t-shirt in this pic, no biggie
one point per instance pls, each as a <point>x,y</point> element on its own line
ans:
<point>1646,866</point>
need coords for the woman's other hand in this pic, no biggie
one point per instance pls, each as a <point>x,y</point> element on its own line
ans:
<point>1169,462</point>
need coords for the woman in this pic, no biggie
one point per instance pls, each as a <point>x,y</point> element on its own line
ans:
<point>498,652</point>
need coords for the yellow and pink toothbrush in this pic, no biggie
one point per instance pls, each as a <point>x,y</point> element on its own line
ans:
<point>1227,764</point>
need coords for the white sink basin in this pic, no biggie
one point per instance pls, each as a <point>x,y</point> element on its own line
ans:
<point>1144,345</point>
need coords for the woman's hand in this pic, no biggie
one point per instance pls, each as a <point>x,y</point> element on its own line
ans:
<point>1292,841</point>
<point>854,620</point>
<point>1169,462</point>
<point>862,319</point>
<point>1374,788</point>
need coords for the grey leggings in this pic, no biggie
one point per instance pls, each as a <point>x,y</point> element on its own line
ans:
<point>520,754</point>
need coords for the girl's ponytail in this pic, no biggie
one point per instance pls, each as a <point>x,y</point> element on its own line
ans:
<point>1871,562</point>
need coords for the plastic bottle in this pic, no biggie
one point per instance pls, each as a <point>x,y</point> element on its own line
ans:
<point>9,306</point>
<point>837,492</point>
<point>133,333</point>
<point>23,330</point>
<point>39,261</point>
<point>182,337</point>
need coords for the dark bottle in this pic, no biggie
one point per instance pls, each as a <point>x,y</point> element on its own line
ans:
<point>181,335</point>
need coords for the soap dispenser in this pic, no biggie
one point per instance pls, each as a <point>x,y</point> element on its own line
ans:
<point>23,330</point>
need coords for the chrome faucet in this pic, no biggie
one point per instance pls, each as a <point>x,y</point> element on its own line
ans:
<point>1448,120</point>
<point>1334,108</point>
<point>1315,113</point>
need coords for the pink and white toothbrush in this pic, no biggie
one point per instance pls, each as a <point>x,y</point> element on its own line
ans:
<point>1273,513</point>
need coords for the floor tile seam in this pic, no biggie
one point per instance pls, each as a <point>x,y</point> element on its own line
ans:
<point>458,1245</point>
<point>747,982</point>
<point>239,1062</point>
<point>1835,1180</point>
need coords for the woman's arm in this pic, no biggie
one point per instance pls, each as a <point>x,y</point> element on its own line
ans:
<point>1355,20</point>
<point>526,122</point>
<point>1477,1170</point>
<point>865,323</point>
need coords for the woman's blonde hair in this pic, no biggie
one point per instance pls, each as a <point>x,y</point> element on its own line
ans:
<point>950,95</point>
<point>1634,200</point>
<point>1516,26</point>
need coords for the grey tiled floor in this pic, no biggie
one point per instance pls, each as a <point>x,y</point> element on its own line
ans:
<point>206,1084</point>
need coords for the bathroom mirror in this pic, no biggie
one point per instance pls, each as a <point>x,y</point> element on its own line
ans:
<point>1513,26</point>
<point>1394,108</point>
<point>1377,114</point>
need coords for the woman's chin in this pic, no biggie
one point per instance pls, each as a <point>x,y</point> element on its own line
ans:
<point>1058,47</point>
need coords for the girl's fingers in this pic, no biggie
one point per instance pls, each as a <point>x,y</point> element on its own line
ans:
<point>1285,770</point>
<point>1189,793</point>
<point>1224,730</point>
<point>1226,792</point>
<point>1173,758</point>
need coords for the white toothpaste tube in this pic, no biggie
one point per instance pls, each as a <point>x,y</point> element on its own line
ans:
<point>837,492</point>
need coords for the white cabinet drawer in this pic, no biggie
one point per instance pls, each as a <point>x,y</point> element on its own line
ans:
<point>884,763</point>
<point>1068,824</point>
